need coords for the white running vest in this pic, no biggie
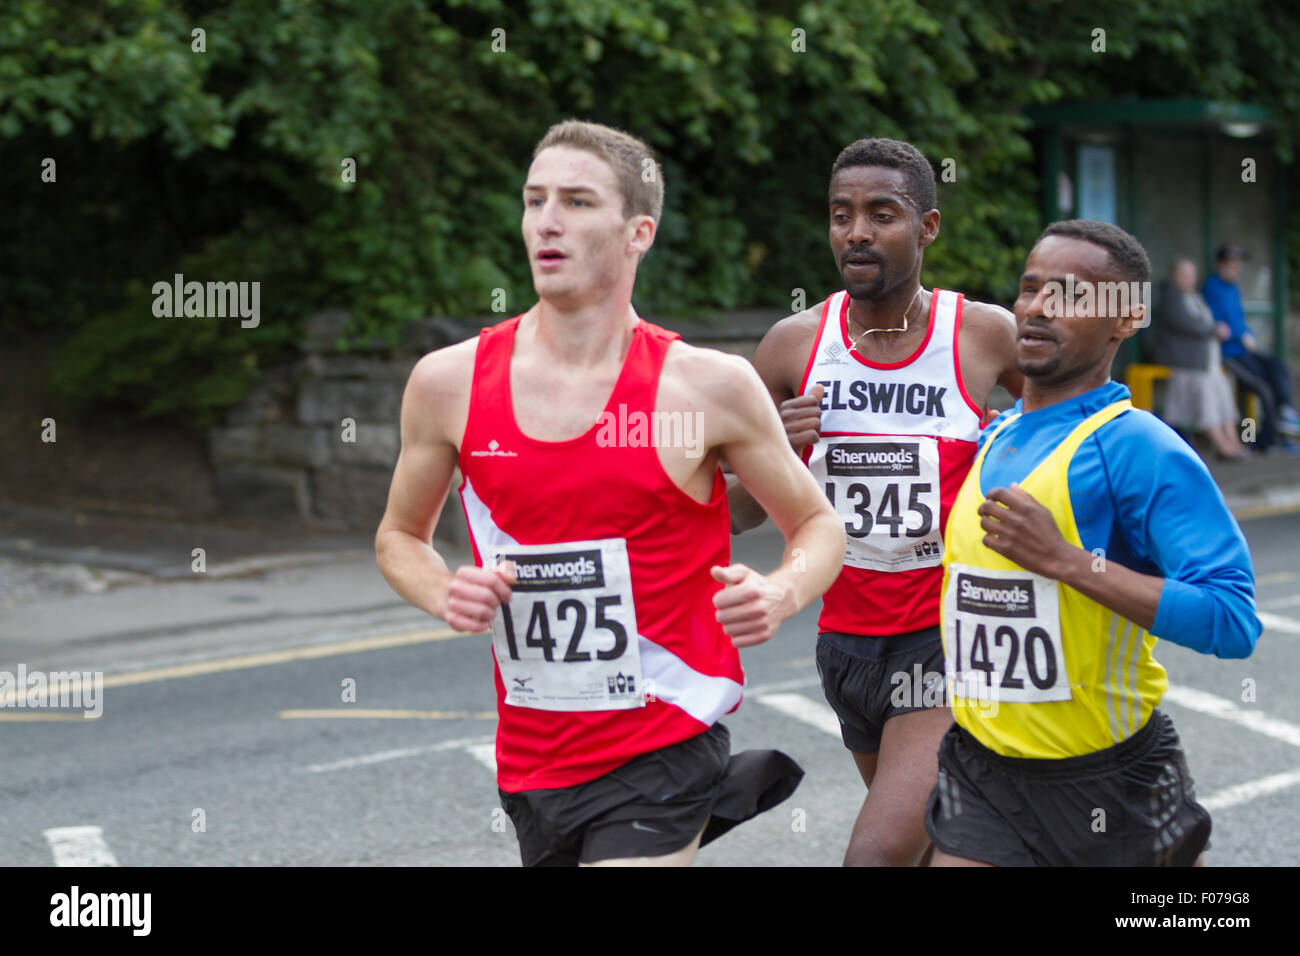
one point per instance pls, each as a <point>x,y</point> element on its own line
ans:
<point>896,442</point>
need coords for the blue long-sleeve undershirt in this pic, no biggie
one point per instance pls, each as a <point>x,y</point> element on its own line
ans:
<point>1141,494</point>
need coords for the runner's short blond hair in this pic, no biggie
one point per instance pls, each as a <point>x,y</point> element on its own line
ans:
<point>640,177</point>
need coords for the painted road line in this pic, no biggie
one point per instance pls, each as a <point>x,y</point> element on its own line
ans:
<point>1276,502</point>
<point>268,658</point>
<point>1277,577</point>
<point>1276,622</point>
<point>1225,709</point>
<point>1251,790</point>
<point>290,560</point>
<point>1291,601</point>
<point>486,754</point>
<point>79,846</point>
<point>819,715</point>
<point>18,718</point>
<point>822,717</point>
<point>312,652</point>
<point>376,714</point>
<point>811,712</point>
<point>796,684</point>
<point>383,756</point>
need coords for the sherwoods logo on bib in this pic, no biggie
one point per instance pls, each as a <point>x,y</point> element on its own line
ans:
<point>869,459</point>
<point>997,596</point>
<point>559,571</point>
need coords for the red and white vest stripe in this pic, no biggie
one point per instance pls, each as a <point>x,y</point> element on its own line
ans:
<point>897,440</point>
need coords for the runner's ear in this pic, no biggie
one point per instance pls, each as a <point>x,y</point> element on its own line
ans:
<point>1129,324</point>
<point>929,227</point>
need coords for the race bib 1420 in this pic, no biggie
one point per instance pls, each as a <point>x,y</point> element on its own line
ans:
<point>1002,636</point>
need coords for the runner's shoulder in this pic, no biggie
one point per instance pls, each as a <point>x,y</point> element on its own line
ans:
<point>439,385</point>
<point>1138,424</point>
<point>783,352</point>
<point>705,370</point>
<point>1141,447</point>
<point>795,330</point>
<point>708,380</point>
<point>445,372</point>
<point>986,315</point>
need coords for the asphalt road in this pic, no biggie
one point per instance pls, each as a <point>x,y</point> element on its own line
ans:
<point>233,761</point>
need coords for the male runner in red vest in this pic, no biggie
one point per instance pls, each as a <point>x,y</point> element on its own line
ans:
<point>883,388</point>
<point>589,442</point>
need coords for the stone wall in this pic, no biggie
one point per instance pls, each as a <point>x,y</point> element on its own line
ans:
<point>318,438</point>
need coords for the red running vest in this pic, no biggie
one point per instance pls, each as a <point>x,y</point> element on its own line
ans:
<point>610,647</point>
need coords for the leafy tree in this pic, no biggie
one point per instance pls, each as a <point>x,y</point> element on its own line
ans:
<point>229,164</point>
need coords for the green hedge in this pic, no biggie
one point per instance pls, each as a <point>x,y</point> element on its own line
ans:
<point>226,165</point>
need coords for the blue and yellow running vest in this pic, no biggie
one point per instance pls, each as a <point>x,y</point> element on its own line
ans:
<point>1036,669</point>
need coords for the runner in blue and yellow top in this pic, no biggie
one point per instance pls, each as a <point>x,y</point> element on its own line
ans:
<point>1085,530</point>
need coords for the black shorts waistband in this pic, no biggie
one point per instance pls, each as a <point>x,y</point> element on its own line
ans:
<point>873,648</point>
<point>1099,761</point>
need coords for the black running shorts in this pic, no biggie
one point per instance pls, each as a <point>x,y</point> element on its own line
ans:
<point>652,805</point>
<point>1132,804</point>
<point>868,680</point>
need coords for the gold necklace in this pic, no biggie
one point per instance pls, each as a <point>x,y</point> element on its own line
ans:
<point>853,342</point>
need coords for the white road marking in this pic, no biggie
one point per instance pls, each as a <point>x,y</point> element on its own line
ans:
<point>1291,601</point>
<point>375,713</point>
<point>1225,709</point>
<point>1261,723</point>
<point>1276,622</point>
<point>796,684</point>
<point>384,755</point>
<point>1245,792</point>
<point>780,696</point>
<point>812,712</point>
<point>486,754</point>
<point>1277,577</point>
<point>79,846</point>
<point>817,714</point>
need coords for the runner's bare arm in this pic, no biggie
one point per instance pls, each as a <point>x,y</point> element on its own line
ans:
<point>989,331</point>
<point>434,406</point>
<point>778,363</point>
<point>748,432</point>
